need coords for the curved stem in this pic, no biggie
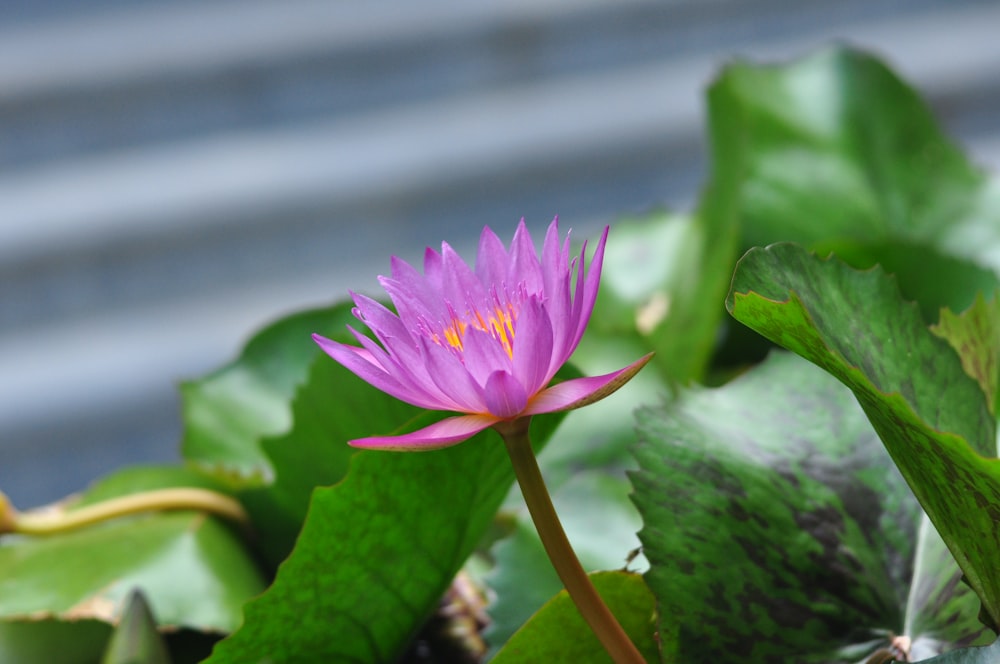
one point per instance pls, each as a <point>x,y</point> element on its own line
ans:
<point>185,498</point>
<point>567,565</point>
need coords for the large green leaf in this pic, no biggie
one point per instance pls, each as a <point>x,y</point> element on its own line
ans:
<point>777,528</point>
<point>663,280</point>
<point>557,633</point>
<point>194,569</point>
<point>376,553</point>
<point>331,407</point>
<point>835,152</point>
<point>931,415</point>
<point>975,336</point>
<point>228,413</point>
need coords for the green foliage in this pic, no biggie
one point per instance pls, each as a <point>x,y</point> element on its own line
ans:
<point>772,500</point>
<point>376,554</point>
<point>195,571</point>
<point>229,412</point>
<point>774,525</point>
<point>855,325</point>
<point>557,633</point>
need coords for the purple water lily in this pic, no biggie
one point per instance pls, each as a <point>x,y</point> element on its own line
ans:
<point>485,342</point>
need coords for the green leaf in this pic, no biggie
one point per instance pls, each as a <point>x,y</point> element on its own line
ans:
<point>136,640</point>
<point>835,152</point>
<point>981,655</point>
<point>376,553</point>
<point>777,529</point>
<point>663,280</point>
<point>975,336</point>
<point>227,413</point>
<point>195,570</point>
<point>330,408</point>
<point>930,414</point>
<point>557,633</point>
<point>51,642</point>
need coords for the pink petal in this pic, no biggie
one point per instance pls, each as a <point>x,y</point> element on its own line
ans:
<point>533,346</point>
<point>459,284</point>
<point>555,263</point>
<point>432,267</point>
<point>445,433</point>
<point>483,355</point>
<point>523,266</point>
<point>505,396</point>
<point>581,392</point>
<point>591,285</point>
<point>452,378</point>
<point>559,310</point>
<point>491,259</point>
<point>360,362</point>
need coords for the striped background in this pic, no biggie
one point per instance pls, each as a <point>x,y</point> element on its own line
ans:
<point>174,174</point>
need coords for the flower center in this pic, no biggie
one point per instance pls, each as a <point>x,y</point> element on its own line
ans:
<point>498,323</point>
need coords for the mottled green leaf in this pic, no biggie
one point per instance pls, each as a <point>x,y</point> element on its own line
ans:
<point>778,529</point>
<point>376,553</point>
<point>835,152</point>
<point>557,633</point>
<point>979,655</point>
<point>228,413</point>
<point>975,336</point>
<point>931,415</point>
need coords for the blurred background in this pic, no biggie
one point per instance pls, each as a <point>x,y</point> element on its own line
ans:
<point>175,174</point>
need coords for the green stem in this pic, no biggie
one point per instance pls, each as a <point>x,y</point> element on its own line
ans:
<point>57,521</point>
<point>550,530</point>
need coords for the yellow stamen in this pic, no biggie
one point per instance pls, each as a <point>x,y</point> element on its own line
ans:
<point>500,325</point>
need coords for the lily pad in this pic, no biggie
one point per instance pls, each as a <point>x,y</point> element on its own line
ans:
<point>931,415</point>
<point>557,633</point>
<point>228,413</point>
<point>778,529</point>
<point>376,553</point>
<point>835,152</point>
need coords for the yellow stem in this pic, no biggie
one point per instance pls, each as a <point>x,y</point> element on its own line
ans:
<point>48,523</point>
<point>579,586</point>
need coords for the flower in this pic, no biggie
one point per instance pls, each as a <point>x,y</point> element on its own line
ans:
<point>483,342</point>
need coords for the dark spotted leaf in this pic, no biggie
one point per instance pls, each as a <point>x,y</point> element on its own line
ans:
<point>778,529</point>
<point>931,415</point>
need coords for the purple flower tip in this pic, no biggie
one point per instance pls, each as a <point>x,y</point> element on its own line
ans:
<point>483,342</point>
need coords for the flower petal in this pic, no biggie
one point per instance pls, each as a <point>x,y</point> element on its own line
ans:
<point>452,378</point>
<point>581,392</point>
<point>459,284</point>
<point>523,265</point>
<point>591,283</point>
<point>505,396</point>
<point>360,362</point>
<point>491,259</point>
<point>533,346</point>
<point>447,432</point>
<point>483,355</point>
